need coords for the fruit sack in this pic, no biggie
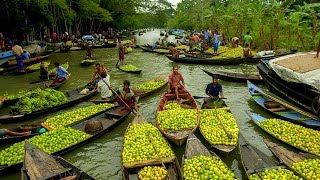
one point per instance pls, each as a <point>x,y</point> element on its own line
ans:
<point>212,130</point>
<point>139,143</point>
<point>152,172</point>
<point>175,118</point>
<point>206,167</point>
<point>49,142</point>
<point>73,116</point>
<point>300,137</point>
<point>275,174</point>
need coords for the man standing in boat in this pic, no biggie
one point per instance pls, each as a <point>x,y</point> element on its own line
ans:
<point>121,53</point>
<point>18,51</point>
<point>247,39</point>
<point>214,91</point>
<point>174,80</point>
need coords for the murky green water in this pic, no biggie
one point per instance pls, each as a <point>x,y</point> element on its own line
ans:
<point>102,157</point>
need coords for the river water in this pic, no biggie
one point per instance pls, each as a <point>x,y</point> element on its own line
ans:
<point>102,157</point>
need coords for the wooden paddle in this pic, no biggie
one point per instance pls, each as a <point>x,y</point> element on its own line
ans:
<point>286,104</point>
<point>221,123</point>
<point>114,92</point>
<point>200,97</point>
<point>155,150</point>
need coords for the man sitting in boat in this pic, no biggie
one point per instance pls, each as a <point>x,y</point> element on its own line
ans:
<point>247,51</point>
<point>103,88</point>
<point>6,132</point>
<point>18,51</point>
<point>61,75</point>
<point>127,95</point>
<point>174,52</point>
<point>174,80</point>
<point>214,91</point>
<point>44,72</point>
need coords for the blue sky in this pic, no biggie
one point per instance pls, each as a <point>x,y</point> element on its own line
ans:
<point>174,2</point>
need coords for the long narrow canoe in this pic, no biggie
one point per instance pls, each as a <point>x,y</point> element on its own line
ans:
<point>177,137</point>
<point>253,160</point>
<point>288,158</point>
<point>73,96</point>
<point>281,109</point>
<point>195,148</point>
<point>144,93</point>
<point>221,61</point>
<point>236,77</point>
<point>171,163</point>
<point>56,85</point>
<point>138,71</point>
<point>109,120</point>
<point>258,119</point>
<point>38,164</point>
<point>28,61</point>
<point>148,49</point>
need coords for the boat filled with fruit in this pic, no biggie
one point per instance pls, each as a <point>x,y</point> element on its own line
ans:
<point>129,68</point>
<point>52,72</point>
<point>199,163</point>
<point>144,150</point>
<point>305,139</point>
<point>149,87</point>
<point>177,121</point>
<point>38,164</point>
<point>63,140</point>
<point>220,129</point>
<point>32,68</point>
<point>304,164</point>
<point>39,102</point>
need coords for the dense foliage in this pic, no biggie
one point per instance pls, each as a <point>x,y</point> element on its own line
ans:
<point>273,24</point>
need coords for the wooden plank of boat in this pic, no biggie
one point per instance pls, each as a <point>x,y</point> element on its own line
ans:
<point>129,71</point>
<point>28,61</point>
<point>221,61</point>
<point>253,160</point>
<point>109,120</point>
<point>237,77</point>
<point>194,148</point>
<point>73,96</point>
<point>177,137</point>
<point>281,109</point>
<point>286,157</point>
<point>257,119</point>
<point>144,93</point>
<point>38,165</point>
<point>171,164</point>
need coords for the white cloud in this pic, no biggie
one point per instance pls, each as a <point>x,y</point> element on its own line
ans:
<point>174,2</point>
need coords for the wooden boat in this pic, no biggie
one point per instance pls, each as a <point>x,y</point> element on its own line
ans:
<point>286,157</point>
<point>267,57</point>
<point>194,148</point>
<point>11,139</point>
<point>109,120</point>
<point>221,61</point>
<point>171,164</point>
<point>253,160</point>
<point>302,95</point>
<point>87,62</point>
<point>27,70</point>
<point>56,85</point>
<point>144,93</point>
<point>73,96</point>
<point>177,137</point>
<point>198,55</point>
<point>37,164</point>
<point>257,118</point>
<point>148,49</point>
<point>280,109</point>
<point>28,61</point>
<point>128,71</point>
<point>236,77</point>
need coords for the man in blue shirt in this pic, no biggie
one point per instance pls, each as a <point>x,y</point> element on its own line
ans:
<point>61,75</point>
<point>214,91</point>
<point>216,42</point>
<point>207,36</point>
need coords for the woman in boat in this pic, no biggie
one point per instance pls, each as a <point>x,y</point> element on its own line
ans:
<point>103,86</point>
<point>214,91</point>
<point>6,132</point>
<point>44,72</point>
<point>61,74</point>
<point>175,79</point>
<point>18,51</point>
<point>127,95</point>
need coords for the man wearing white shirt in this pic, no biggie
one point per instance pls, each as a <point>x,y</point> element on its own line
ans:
<point>101,87</point>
